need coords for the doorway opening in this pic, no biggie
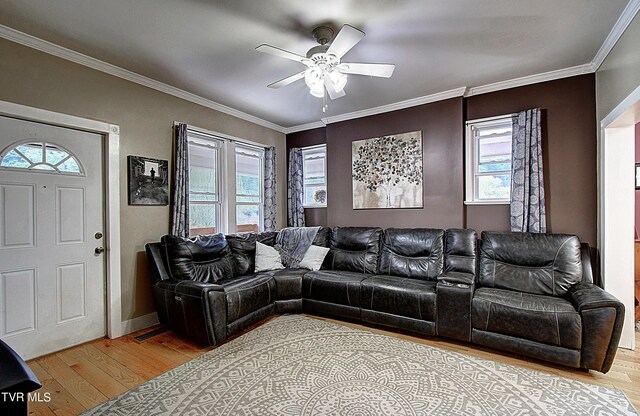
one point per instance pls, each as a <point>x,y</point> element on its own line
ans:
<point>616,214</point>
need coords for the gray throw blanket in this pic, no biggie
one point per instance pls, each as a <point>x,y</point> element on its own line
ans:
<point>293,242</point>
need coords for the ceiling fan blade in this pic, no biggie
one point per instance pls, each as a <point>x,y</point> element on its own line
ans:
<point>331,88</point>
<point>286,81</point>
<point>346,39</point>
<point>374,70</point>
<point>272,50</point>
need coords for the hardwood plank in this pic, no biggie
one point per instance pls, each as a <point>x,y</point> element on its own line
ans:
<point>78,387</point>
<point>62,402</point>
<point>113,349</point>
<point>98,378</point>
<point>120,372</point>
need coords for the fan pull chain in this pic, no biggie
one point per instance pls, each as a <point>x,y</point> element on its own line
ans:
<point>324,101</point>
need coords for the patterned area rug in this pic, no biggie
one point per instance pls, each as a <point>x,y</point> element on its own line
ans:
<point>294,365</point>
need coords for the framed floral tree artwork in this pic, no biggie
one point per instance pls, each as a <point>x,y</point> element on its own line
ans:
<point>387,171</point>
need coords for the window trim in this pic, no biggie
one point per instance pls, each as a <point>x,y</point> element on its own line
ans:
<point>471,161</point>
<point>320,148</point>
<point>226,212</point>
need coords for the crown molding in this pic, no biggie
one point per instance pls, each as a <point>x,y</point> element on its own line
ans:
<point>625,19</point>
<point>303,127</point>
<point>444,95</point>
<point>531,79</point>
<point>82,59</point>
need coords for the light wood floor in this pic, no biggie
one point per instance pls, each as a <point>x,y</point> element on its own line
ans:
<point>82,377</point>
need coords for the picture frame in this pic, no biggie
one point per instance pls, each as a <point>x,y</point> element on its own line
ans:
<point>637,175</point>
<point>387,171</point>
<point>148,181</point>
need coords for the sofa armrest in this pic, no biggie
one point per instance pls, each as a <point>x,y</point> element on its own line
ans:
<point>189,287</point>
<point>457,278</point>
<point>589,296</point>
<point>194,309</point>
<point>602,318</point>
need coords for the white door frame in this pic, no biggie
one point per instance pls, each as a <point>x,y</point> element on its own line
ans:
<point>616,145</point>
<point>111,133</point>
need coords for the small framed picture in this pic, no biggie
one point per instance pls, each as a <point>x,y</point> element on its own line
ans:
<point>637,175</point>
<point>148,181</point>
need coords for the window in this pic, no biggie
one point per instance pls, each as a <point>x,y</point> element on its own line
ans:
<point>217,202</point>
<point>314,176</point>
<point>488,160</point>
<point>249,183</point>
<point>205,174</point>
<point>41,156</point>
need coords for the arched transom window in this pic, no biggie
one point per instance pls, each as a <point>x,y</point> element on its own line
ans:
<point>40,156</point>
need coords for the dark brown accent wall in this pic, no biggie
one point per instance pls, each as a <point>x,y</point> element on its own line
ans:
<point>441,126</point>
<point>568,149</point>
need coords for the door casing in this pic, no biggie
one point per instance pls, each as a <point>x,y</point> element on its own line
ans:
<point>111,133</point>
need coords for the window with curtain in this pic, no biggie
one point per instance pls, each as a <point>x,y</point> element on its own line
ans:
<point>226,185</point>
<point>315,176</point>
<point>488,160</point>
<point>249,188</point>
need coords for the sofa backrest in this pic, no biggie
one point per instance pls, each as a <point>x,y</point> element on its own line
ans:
<point>543,264</point>
<point>205,258</point>
<point>354,249</point>
<point>417,253</point>
<point>243,249</point>
<point>460,251</point>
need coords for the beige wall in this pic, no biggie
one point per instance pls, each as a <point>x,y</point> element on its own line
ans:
<point>145,117</point>
<point>619,74</point>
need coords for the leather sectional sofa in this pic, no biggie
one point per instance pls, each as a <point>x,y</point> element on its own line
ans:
<point>531,294</point>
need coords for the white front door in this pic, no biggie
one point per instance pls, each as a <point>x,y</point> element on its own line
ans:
<point>52,280</point>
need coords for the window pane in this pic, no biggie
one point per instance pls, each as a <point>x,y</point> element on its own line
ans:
<point>69,165</point>
<point>33,151</point>
<point>494,154</point>
<point>202,218</point>
<point>42,166</point>
<point>247,218</point>
<point>14,160</point>
<point>203,167</point>
<point>494,186</point>
<point>315,195</point>
<point>247,175</point>
<point>55,155</point>
<point>314,167</point>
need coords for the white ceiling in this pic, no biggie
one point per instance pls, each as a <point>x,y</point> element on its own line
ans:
<point>206,47</point>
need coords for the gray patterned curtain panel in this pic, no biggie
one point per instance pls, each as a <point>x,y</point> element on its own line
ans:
<point>269,208</point>
<point>180,197</point>
<point>295,190</point>
<point>527,181</point>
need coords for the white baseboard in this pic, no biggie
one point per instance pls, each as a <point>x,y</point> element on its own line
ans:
<point>141,322</point>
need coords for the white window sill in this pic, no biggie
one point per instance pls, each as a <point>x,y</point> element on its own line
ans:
<point>314,206</point>
<point>497,202</point>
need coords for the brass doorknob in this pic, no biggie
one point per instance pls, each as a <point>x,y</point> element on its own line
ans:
<point>99,250</point>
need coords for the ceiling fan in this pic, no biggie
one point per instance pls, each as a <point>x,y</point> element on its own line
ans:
<point>325,72</point>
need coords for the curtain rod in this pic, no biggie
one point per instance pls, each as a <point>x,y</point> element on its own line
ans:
<point>218,135</point>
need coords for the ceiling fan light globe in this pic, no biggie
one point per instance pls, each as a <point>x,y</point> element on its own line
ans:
<point>339,79</point>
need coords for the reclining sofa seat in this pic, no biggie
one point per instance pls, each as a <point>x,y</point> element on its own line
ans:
<point>533,298</point>
<point>352,257</point>
<point>402,293</point>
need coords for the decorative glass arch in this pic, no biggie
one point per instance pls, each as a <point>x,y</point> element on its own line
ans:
<point>40,156</point>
